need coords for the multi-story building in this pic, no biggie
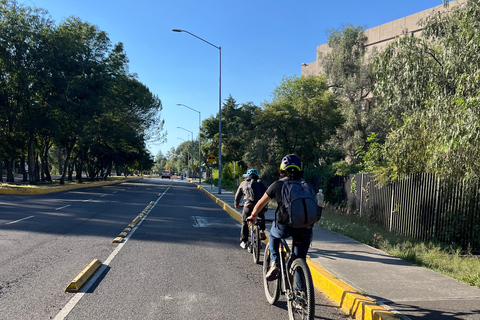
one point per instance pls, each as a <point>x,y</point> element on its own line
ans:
<point>380,36</point>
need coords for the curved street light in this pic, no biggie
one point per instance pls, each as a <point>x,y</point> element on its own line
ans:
<point>219,107</point>
<point>199,142</point>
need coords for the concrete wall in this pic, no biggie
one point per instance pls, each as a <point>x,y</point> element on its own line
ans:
<point>380,36</point>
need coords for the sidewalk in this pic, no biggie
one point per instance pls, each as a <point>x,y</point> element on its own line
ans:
<point>370,284</point>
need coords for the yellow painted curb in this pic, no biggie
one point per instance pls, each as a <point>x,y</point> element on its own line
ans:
<point>229,209</point>
<point>117,240</point>
<point>4,189</point>
<point>349,299</point>
<point>80,280</point>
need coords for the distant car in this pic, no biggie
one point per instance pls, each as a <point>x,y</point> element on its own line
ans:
<point>166,174</point>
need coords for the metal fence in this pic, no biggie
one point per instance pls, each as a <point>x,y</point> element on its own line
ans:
<point>421,206</point>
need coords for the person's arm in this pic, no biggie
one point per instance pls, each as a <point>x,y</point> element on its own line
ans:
<point>264,200</point>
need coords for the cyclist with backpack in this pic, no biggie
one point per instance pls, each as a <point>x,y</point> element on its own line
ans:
<point>296,213</point>
<point>251,189</point>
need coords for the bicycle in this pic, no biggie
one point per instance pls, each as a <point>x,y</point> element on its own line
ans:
<point>294,281</point>
<point>255,243</point>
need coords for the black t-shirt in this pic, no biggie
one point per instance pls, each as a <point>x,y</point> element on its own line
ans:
<point>274,191</point>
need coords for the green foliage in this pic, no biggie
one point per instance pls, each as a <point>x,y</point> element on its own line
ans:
<point>301,118</point>
<point>67,87</point>
<point>428,86</point>
<point>350,77</point>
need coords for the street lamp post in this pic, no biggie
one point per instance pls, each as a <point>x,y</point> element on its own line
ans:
<point>199,142</point>
<point>219,107</point>
<point>192,141</point>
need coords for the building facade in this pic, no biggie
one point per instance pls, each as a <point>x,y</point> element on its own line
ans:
<point>380,36</point>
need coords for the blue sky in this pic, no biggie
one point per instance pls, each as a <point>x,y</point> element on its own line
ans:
<point>262,41</point>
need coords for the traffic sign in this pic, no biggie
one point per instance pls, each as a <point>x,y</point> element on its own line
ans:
<point>211,157</point>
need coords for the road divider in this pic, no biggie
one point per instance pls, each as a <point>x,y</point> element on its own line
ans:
<point>83,277</point>
<point>134,223</point>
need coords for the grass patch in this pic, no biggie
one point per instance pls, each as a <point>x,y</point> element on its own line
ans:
<point>446,260</point>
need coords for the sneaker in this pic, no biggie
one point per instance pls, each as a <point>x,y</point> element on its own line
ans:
<point>243,245</point>
<point>262,235</point>
<point>273,272</point>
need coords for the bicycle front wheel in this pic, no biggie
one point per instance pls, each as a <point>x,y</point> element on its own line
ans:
<point>272,288</point>
<point>301,300</point>
<point>255,238</point>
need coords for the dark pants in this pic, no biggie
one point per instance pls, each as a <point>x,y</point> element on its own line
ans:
<point>247,211</point>
<point>301,239</point>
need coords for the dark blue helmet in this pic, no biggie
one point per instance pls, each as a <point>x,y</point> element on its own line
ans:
<point>291,161</point>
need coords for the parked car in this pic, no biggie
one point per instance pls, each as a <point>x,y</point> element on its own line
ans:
<point>166,174</point>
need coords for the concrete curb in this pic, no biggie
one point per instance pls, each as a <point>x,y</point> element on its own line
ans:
<point>349,299</point>
<point>83,277</point>
<point>228,208</point>
<point>121,236</point>
<point>33,191</point>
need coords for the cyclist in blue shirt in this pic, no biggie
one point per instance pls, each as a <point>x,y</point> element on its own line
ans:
<point>290,167</point>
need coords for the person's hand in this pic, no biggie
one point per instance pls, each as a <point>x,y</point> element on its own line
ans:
<point>237,206</point>
<point>252,218</point>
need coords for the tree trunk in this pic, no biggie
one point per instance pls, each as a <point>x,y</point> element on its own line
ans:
<point>24,169</point>
<point>67,160</point>
<point>9,167</point>
<point>80,171</point>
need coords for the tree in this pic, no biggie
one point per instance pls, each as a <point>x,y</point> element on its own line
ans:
<point>24,57</point>
<point>349,72</point>
<point>428,86</point>
<point>301,118</point>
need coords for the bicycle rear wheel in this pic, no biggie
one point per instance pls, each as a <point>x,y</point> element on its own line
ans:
<point>272,288</point>
<point>255,238</point>
<point>301,303</point>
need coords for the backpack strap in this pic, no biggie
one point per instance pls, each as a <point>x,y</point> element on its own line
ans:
<point>284,180</point>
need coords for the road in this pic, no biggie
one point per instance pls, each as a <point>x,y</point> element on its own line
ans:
<point>182,262</point>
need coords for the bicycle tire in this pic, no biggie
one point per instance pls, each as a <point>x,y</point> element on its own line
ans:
<point>256,243</point>
<point>272,288</point>
<point>302,306</point>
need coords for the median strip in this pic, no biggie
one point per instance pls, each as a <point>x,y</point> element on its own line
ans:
<point>134,223</point>
<point>83,277</point>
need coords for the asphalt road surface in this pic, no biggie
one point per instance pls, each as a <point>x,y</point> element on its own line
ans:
<point>182,262</point>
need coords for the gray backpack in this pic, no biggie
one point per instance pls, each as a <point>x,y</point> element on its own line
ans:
<point>299,203</point>
<point>255,190</point>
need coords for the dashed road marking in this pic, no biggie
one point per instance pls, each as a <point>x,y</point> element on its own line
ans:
<point>12,222</point>
<point>60,208</point>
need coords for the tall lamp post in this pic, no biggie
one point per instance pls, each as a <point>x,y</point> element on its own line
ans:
<point>199,142</point>
<point>219,107</point>
<point>188,154</point>
<point>192,141</point>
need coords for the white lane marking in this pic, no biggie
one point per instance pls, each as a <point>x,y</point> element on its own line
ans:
<point>78,296</point>
<point>12,222</point>
<point>60,208</point>
<point>88,200</point>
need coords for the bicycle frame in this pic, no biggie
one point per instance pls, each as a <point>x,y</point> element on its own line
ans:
<point>286,258</point>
